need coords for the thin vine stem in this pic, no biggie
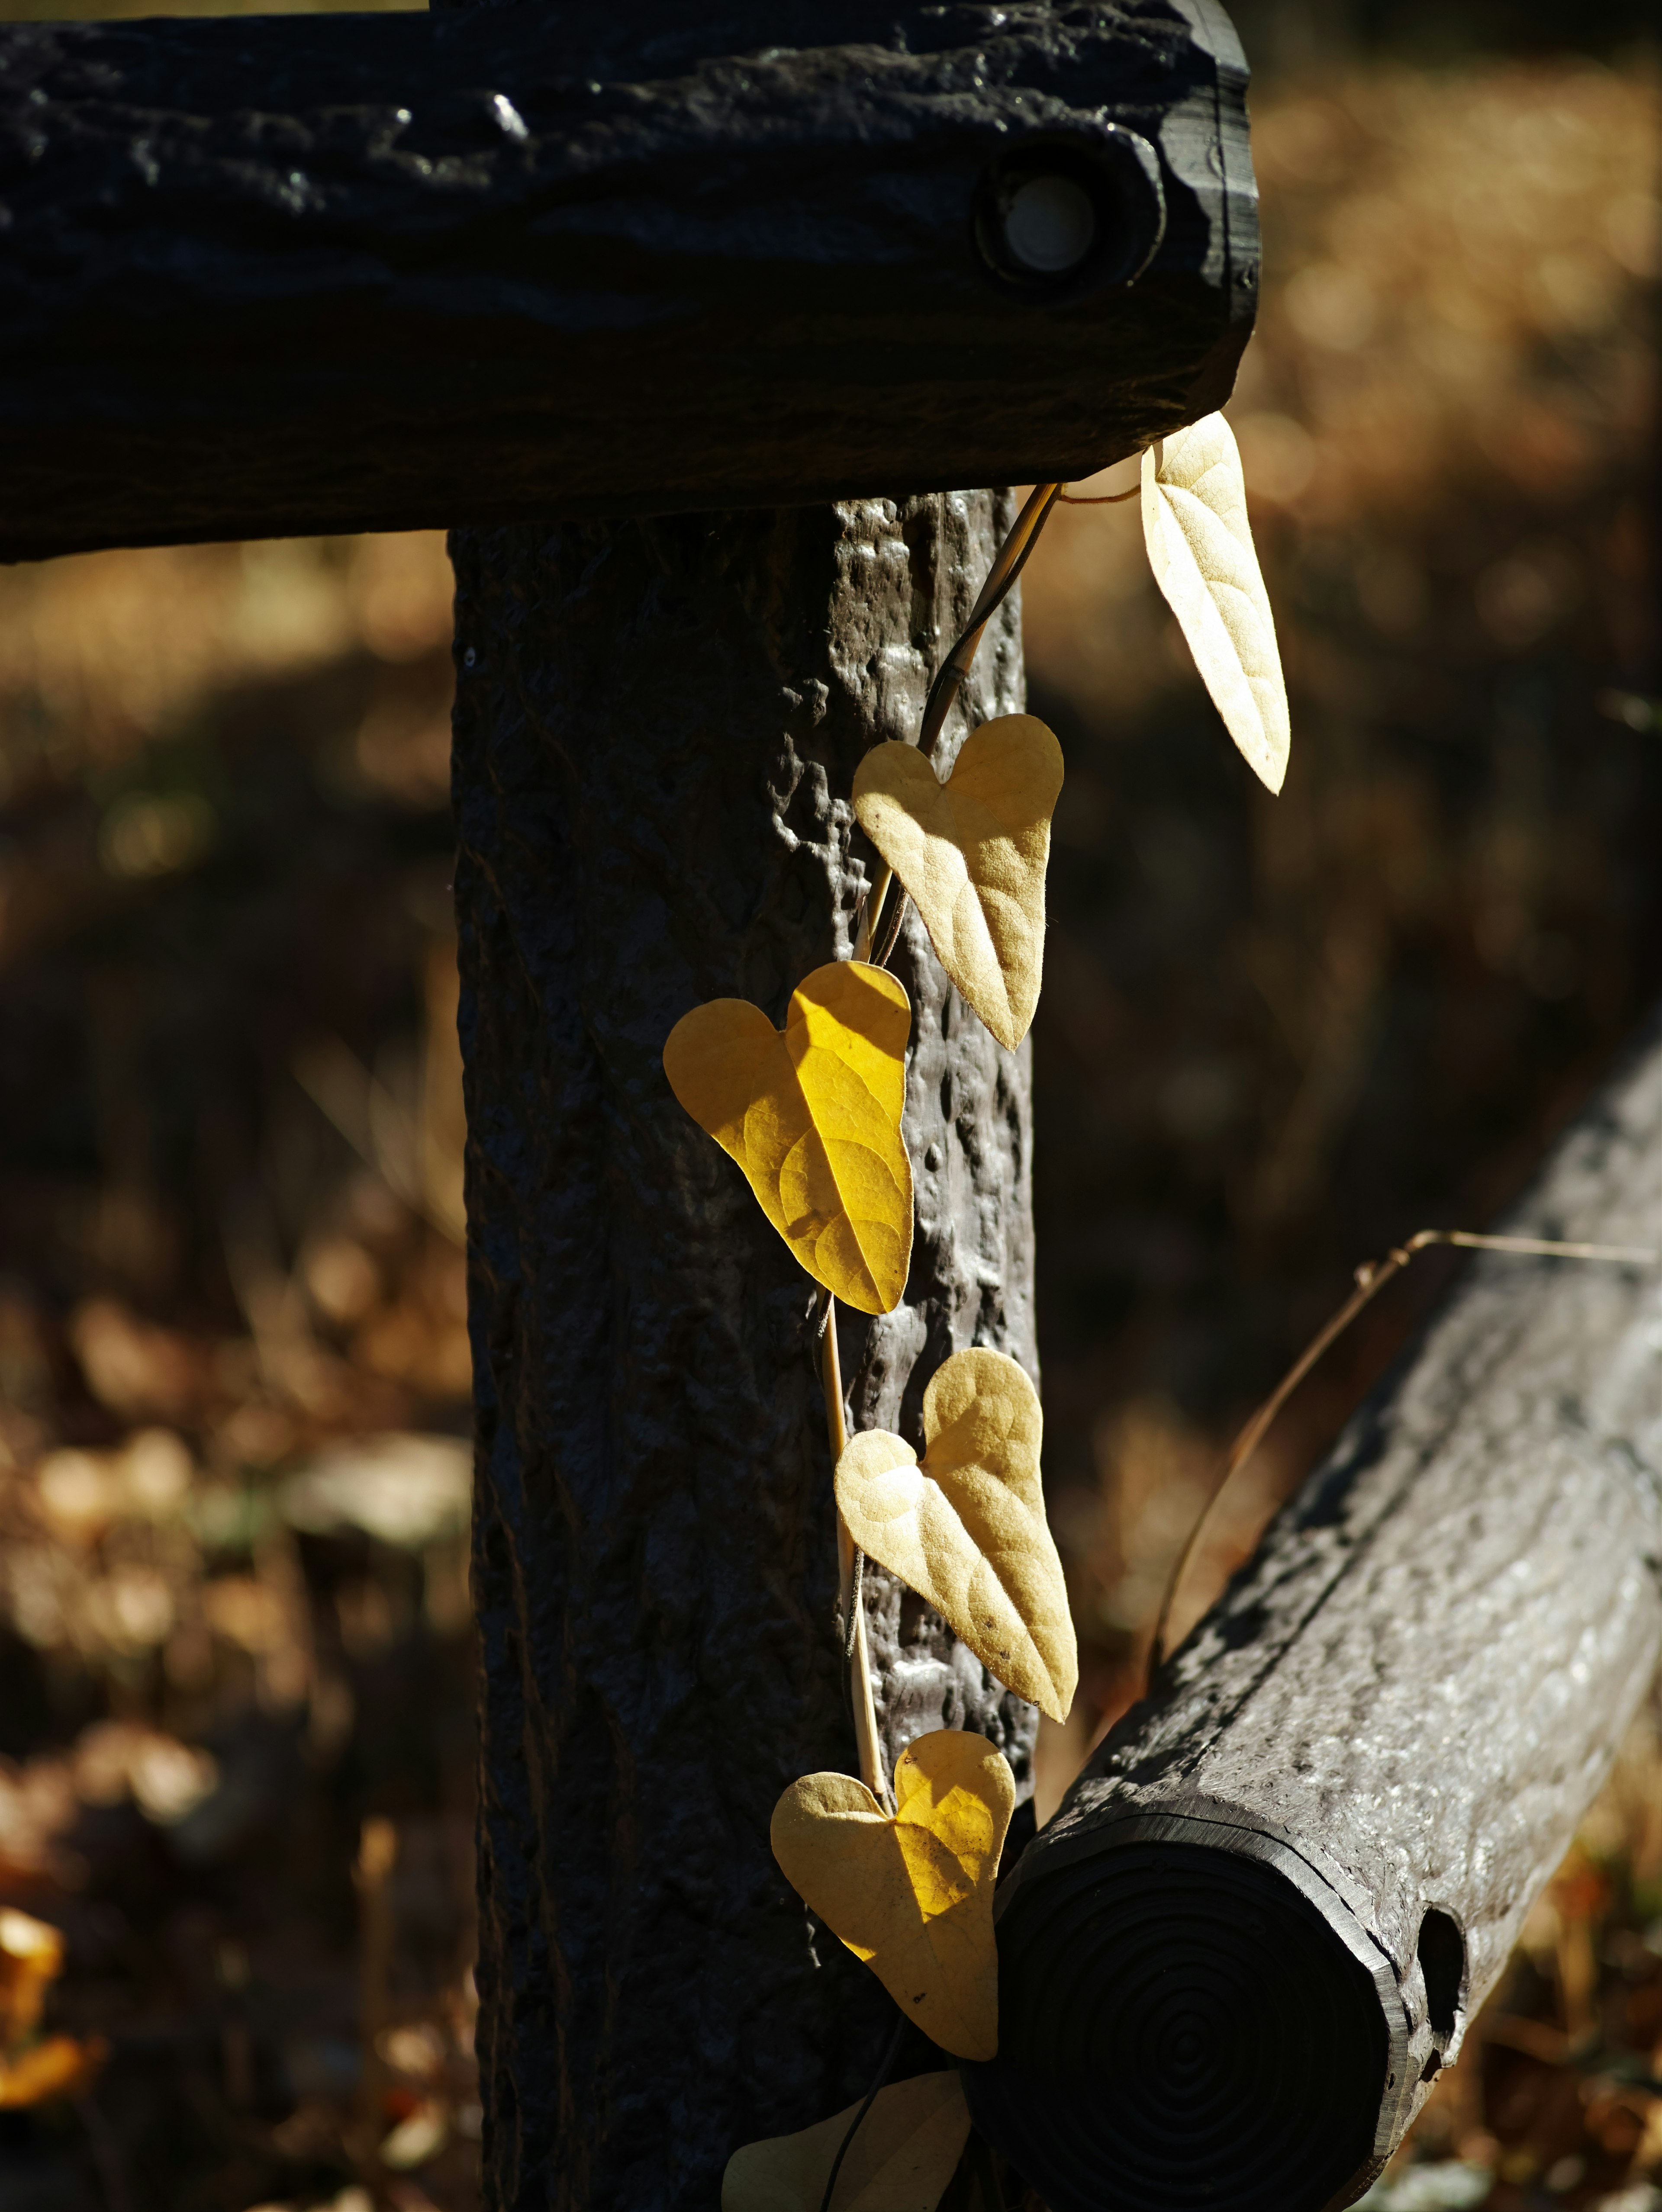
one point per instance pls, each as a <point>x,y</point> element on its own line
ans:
<point>1098,498</point>
<point>1371,1279</point>
<point>855,1609</point>
<point>981,2159</point>
<point>885,952</point>
<point>1007,564</point>
<point>850,1580</point>
<point>883,2073</point>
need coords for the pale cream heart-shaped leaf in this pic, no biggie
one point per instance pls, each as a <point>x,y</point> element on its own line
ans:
<point>911,1893</point>
<point>972,854</point>
<point>1200,547</point>
<point>902,2155</point>
<point>966,1529</point>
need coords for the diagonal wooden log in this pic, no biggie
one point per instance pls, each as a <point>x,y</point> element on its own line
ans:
<point>1234,1962</point>
<point>383,271</point>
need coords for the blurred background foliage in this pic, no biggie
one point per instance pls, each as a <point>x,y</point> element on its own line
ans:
<point>1279,1035</point>
<point>235,1695</point>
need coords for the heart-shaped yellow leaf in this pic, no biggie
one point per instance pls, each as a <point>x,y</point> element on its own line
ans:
<point>911,1895</point>
<point>904,2154</point>
<point>811,1113</point>
<point>966,1529</point>
<point>971,853</point>
<point>1200,546</point>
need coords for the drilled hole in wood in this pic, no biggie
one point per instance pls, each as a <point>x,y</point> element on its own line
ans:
<point>1059,215</point>
<point>1051,225</point>
<point>1442,1955</point>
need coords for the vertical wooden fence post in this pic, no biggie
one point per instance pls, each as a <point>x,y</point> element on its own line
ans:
<point>657,725</point>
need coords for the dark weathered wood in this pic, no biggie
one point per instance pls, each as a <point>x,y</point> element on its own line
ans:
<point>328,273</point>
<point>656,728</point>
<point>504,264</point>
<point>1233,1964</point>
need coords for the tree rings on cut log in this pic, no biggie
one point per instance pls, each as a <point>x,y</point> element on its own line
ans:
<point>1183,2025</point>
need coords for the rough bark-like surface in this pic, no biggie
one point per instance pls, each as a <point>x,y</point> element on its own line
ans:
<point>1392,1721</point>
<point>267,276</point>
<point>657,725</point>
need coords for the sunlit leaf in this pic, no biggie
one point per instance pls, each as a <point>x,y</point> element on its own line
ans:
<point>31,1960</point>
<point>34,2072</point>
<point>419,2136</point>
<point>903,2154</point>
<point>971,853</point>
<point>56,2067</point>
<point>811,1113</point>
<point>966,1529</point>
<point>1200,546</point>
<point>912,1895</point>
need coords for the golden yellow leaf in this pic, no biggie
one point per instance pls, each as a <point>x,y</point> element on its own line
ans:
<point>31,1960</point>
<point>966,1529</point>
<point>911,1895</point>
<point>904,2154</point>
<point>971,853</point>
<point>1200,546</point>
<point>811,1113</point>
<point>58,2066</point>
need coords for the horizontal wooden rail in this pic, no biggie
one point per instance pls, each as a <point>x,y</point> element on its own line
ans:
<point>266,276</point>
<point>1232,1965</point>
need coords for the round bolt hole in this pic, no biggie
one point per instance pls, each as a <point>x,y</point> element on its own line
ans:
<point>1051,225</point>
<point>1062,213</point>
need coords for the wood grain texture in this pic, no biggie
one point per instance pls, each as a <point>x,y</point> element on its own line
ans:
<point>266,277</point>
<point>657,727</point>
<point>1400,1709</point>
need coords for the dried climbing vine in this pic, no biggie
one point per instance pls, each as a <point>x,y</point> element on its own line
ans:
<point>903,1871</point>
